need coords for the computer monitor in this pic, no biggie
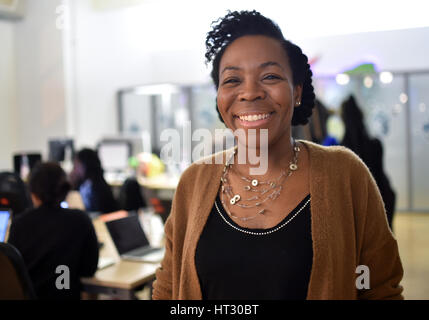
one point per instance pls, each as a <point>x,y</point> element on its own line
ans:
<point>58,149</point>
<point>4,223</point>
<point>114,154</point>
<point>30,159</point>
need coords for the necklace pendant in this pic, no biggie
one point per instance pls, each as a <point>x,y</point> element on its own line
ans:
<point>293,167</point>
<point>235,199</point>
<point>254,182</point>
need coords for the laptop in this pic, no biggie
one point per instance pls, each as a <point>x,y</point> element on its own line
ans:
<point>4,223</point>
<point>131,242</point>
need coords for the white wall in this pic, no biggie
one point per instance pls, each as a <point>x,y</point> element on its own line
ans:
<point>160,42</point>
<point>8,97</point>
<point>399,50</point>
<point>66,80</point>
<point>118,49</point>
<point>40,77</point>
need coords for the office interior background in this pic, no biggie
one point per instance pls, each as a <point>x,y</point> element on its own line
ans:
<point>97,70</point>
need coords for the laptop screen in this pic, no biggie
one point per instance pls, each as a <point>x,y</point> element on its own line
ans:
<point>4,222</point>
<point>127,233</point>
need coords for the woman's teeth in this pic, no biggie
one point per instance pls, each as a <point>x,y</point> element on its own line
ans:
<point>254,117</point>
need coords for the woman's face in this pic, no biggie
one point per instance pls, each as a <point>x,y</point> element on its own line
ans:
<point>256,90</point>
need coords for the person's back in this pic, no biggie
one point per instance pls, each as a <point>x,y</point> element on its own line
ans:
<point>51,237</point>
<point>372,156</point>
<point>87,177</point>
<point>58,245</point>
<point>370,150</point>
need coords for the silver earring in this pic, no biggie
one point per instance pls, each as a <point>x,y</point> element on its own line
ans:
<point>298,103</point>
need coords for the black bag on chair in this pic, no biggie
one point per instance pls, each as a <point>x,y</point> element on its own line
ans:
<point>130,196</point>
<point>14,193</point>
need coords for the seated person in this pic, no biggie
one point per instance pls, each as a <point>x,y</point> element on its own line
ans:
<point>49,236</point>
<point>87,177</point>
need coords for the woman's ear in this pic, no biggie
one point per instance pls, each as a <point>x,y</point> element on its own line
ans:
<point>36,201</point>
<point>297,95</point>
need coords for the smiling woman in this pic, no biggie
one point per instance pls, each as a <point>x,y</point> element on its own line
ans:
<point>257,92</point>
<point>299,230</point>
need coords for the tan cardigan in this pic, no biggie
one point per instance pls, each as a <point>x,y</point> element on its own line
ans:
<point>348,221</point>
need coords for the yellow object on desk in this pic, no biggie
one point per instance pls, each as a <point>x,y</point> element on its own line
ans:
<point>150,165</point>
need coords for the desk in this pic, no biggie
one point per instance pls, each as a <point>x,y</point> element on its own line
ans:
<point>161,186</point>
<point>121,279</point>
<point>161,181</point>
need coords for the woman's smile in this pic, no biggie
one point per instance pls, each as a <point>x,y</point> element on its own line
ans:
<point>254,119</point>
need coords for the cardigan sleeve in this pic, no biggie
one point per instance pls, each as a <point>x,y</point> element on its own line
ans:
<point>379,248</point>
<point>162,286</point>
<point>165,286</point>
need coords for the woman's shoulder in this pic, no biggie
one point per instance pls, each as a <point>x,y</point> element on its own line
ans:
<point>36,216</point>
<point>206,167</point>
<point>75,217</point>
<point>331,153</point>
<point>336,160</point>
<point>24,217</point>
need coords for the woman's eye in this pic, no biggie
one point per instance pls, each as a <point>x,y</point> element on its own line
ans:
<point>271,77</point>
<point>230,81</point>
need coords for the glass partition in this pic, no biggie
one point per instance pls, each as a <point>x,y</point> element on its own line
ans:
<point>396,109</point>
<point>386,118</point>
<point>419,107</point>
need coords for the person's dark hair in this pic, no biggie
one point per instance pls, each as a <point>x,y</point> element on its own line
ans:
<point>91,162</point>
<point>356,136</point>
<point>237,24</point>
<point>49,183</point>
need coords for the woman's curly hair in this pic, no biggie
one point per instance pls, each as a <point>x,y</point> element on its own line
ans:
<point>237,24</point>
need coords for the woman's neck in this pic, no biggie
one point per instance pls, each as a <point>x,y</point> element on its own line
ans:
<point>264,162</point>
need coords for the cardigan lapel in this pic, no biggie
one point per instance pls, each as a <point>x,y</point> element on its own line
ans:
<point>321,278</point>
<point>199,213</point>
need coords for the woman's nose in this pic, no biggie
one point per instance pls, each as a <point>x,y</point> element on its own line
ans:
<point>251,90</point>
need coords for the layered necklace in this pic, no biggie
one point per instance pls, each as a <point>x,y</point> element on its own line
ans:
<point>260,192</point>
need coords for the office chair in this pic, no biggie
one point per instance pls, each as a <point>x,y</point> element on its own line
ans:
<point>130,196</point>
<point>14,193</point>
<point>162,207</point>
<point>15,283</point>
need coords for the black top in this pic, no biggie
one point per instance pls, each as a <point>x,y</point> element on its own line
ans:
<point>97,196</point>
<point>235,265</point>
<point>371,152</point>
<point>49,237</point>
